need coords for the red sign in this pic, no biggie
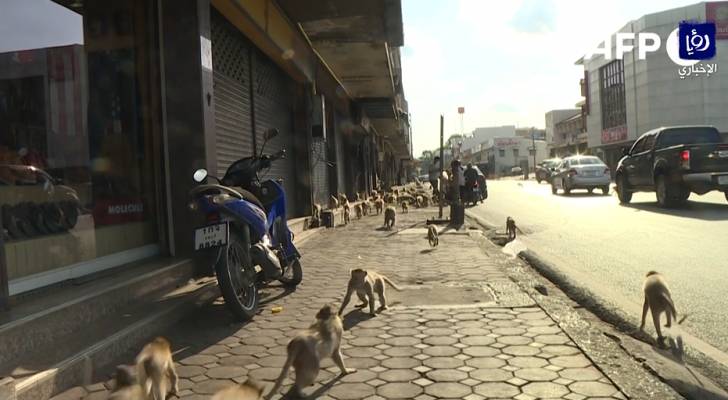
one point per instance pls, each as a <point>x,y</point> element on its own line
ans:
<point>717,12</point>
<point>613,135</point>
<point>110,212</point>
<point>506,142</point>
<point>461,110</point>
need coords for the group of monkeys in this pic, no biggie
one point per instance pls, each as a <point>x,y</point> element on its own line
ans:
<point>380,202</point>
<point>153,377</point>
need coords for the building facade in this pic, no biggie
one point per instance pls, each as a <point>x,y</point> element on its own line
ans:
<point>627,97</point>
<point>501,154</point>
<point>104,123</point>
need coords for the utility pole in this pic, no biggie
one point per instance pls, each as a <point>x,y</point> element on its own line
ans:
<point>442,161</point>
<point>533,145</point>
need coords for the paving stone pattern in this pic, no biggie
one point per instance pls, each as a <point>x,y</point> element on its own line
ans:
<point>404,353</point>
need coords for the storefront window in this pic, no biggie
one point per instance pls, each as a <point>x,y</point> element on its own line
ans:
<point>78,123</point>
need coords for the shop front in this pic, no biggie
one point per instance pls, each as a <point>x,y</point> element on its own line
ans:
<point>79,139</point>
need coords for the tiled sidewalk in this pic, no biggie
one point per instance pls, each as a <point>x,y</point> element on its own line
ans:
<point>468,333</point>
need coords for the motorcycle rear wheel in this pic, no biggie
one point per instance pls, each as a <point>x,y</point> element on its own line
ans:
<point>292,275</point>
<point>236,275</point>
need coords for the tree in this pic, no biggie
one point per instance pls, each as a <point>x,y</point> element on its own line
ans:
<point>426,155</point>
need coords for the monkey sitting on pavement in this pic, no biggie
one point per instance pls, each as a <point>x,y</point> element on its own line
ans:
<point>658,300</point>
<point>419,201</point>
<point>365,283</point>
<point>432,236</point>
<point>248,390</point>
<point>511,228</point>
<point>390,215</point>
<point>405,207</point>
<point>308,349</point>
<point>126,384</point>
<point>358,211</point>
<point>155,367</point>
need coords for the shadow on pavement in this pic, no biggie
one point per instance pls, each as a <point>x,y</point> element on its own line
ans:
<point>696,392</point>
<point>692,209</point>
<point>354,317</point>
<point>322,390</point>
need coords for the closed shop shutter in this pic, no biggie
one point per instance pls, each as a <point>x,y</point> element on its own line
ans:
<point>320,172</point>
<point>274,91</point>
<point>231,66</point>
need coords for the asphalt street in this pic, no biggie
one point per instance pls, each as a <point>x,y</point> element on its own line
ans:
<point>608,248</point>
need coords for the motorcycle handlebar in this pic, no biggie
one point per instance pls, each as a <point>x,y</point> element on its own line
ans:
<point>266,161</point>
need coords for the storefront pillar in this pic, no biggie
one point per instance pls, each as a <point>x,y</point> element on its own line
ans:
<point>189,134</point>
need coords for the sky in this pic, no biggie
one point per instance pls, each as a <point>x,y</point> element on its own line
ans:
<point>507,62</point>
<point>32,24</point>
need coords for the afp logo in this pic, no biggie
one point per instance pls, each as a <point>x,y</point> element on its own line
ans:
<point>686,45</point>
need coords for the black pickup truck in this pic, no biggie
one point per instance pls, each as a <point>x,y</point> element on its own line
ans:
<point>674,162</point>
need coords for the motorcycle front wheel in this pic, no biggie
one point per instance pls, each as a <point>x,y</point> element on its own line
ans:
<point>236,275</point>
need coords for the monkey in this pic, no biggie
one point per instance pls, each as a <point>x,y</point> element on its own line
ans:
<point>346,216</point>
<point>358,196</point>
<point>126,384</point>
<point>333,203</point>
<point>392,199</point>
<point>315,220</point>
<point>358,211</point>
<point>511,228</point>
<point>308,348</point>
<point>365,283</point>
<point>248,390</point>
<point>390,215</point>
<point>379,205</point>
<point>366,207</point>
<point>658,300</point>
<point>342,198</point>
<point>432,236</point>
<point>405,207</point>
<point>425,201</point>
<point>154,366</point>
<point>419,201</point>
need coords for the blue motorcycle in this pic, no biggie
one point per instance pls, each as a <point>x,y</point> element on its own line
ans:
<point>247,231</point>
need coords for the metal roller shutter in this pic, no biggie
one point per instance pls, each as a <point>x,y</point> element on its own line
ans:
<point>231,66</point>
<point>274,91</point>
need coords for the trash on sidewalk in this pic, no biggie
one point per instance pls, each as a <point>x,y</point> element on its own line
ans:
<point>276,309</point>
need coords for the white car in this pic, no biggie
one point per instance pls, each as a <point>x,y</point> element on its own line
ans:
<point>581,172</point>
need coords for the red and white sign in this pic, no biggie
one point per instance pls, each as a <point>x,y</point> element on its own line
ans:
<point>110,212</point>
<point>461,110</point>
<point>717,12</point>
<point>502,142</point>
<point>614,135</point>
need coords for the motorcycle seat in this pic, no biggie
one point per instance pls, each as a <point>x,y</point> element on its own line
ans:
<point>248,196</point>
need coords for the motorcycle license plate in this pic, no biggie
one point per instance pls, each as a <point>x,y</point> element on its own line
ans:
<point>211,236</point>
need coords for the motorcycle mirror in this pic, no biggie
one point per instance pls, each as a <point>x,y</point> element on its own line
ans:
<point>270,133</point>
<point>200,175</point>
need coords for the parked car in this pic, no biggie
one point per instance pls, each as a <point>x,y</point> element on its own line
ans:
<point>580,172</point>
<point>674,162</point>
<point>35,203</point>
<point>543,169</point>
<point>515,171</point>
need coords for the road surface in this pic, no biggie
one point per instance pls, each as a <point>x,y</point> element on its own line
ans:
<point>608,248</point>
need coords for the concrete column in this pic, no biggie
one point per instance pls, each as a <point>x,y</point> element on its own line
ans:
<point>189,132</point>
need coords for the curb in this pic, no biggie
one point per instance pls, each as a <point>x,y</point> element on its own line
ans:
<point>600,347</point>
